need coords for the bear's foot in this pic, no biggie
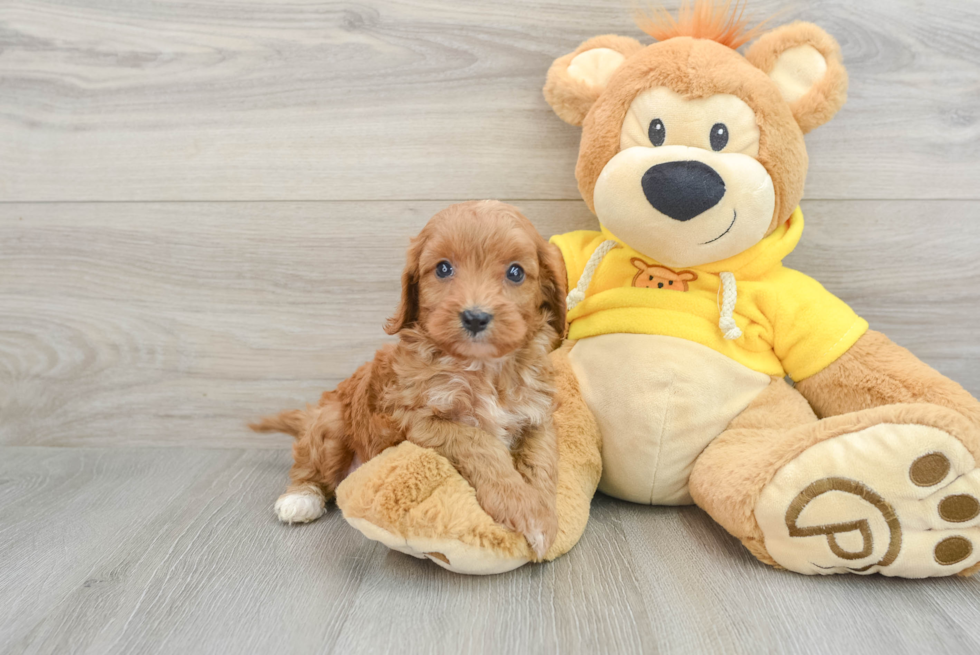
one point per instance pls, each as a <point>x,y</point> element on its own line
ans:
<point>898,498</point>
<point>412,500</point>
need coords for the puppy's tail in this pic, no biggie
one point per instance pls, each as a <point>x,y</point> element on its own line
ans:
<point>292,422</point>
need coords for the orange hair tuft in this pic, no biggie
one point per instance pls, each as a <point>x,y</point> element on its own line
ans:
<point>723,22</point>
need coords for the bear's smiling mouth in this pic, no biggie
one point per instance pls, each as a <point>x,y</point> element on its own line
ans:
<point>734,218</point>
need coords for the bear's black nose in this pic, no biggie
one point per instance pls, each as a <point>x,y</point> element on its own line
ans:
<point>683,189</point>
<point>475,321</point>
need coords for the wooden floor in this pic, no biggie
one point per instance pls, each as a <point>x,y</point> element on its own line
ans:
<point>203,215</point>
<point>127,550</point>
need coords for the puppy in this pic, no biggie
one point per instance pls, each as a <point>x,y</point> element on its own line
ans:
<point>483,303</point>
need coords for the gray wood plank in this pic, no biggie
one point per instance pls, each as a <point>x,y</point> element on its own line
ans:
<point>421,99</point>
<point>713,596</point>
<point>578,604</point>
<point>133,551</point>
<point>174,324</point>
<point>130,550</point>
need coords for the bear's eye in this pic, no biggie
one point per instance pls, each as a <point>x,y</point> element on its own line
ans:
<point>671,282</point>
<point>651,278</point>
<point>444,269</point>
<point>719,136</point>
<point>515,274</point>
<point>657,132</point>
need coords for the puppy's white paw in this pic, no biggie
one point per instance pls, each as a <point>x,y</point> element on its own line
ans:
<point>300,507</point>
<point>537,537</point>
<point>538,542</point>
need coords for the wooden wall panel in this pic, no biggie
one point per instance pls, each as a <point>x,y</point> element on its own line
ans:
<point>174,323</point>
<point>258,100</point>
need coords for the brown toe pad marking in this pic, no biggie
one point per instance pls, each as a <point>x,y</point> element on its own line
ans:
<point>952,550</point>
<point>929,469</point>
<point>438,556</point>
<point>959,508</point>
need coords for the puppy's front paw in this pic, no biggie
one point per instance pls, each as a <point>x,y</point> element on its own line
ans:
<point>541,529</point>
<point>300,507</point>
<point>536,519</point>
<point>538,541</point>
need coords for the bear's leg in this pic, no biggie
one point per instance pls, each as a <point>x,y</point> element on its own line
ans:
<point>876,372</point>
<point>892,490</point>
<point>411,499</point>
<point>731,472</point>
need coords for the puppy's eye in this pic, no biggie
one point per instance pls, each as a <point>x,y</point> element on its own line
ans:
<point>444,269</point>
<point>657,132</point>
<point>515,274</point>
<point>719,136</point>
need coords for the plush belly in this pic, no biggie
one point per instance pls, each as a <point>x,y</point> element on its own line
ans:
<point>658,401</point>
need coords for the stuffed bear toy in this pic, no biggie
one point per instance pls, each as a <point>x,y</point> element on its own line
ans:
<point>684,324</point>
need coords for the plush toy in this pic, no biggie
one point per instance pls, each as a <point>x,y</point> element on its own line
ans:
<point>683,324</point>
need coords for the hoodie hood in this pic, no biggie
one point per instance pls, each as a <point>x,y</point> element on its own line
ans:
<point>748,307</point>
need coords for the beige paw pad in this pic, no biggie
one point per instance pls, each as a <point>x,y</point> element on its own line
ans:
<point>901,500</point>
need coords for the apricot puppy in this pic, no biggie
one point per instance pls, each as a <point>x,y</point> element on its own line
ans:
<point>483,303</point>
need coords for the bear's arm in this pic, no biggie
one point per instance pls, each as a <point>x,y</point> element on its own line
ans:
<point>811,327</point>
<point>874,372</point>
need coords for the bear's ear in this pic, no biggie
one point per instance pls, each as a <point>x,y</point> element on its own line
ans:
<point>805,63</point>
<point>576,80</point>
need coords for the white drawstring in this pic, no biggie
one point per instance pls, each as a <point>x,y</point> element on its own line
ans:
<point>577,295</point>
<point>728,299</point>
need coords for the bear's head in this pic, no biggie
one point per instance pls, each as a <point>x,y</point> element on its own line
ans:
<point>692,153</point>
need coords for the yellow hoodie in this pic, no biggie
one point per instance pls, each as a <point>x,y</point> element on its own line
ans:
<point>789,323</point>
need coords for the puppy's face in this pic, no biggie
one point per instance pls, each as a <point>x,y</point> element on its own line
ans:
<point>481,282</point>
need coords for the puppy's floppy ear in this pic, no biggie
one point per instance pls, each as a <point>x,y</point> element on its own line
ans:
<point>805,63</point>
<point>554,286</point>
<point>408,308</point>
<point>576,80</point>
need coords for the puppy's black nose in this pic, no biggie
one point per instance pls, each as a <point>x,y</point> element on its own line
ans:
<point>475,321</point>
<point>683,189</point>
